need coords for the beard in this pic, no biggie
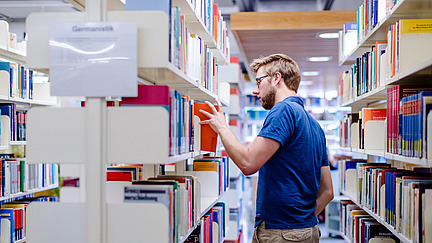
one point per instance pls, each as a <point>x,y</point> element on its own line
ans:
<point>268,101</point>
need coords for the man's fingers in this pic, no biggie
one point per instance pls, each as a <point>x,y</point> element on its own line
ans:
<point>204,122</point>
<point>206,113</point>
<point>212,107</point>
<point>219,105</point>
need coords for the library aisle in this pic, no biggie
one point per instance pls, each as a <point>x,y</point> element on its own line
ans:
<point>100,134</point>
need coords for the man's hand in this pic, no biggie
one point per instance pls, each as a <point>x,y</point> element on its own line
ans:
<point>217,119</point>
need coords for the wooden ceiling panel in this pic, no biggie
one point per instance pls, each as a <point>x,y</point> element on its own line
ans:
<point>296,35</point>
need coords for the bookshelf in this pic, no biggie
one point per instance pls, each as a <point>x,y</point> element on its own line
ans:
<point>13,56</point>
<point>96,135</point>
<point>402,9</point>
<point>379,219</point>
<point>389,156</point>
<point>417,74</point>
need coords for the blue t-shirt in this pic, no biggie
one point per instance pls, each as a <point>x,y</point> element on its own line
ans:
<point>288,182</point>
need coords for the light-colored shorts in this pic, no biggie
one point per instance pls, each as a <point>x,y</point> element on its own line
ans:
<point>305,235</point>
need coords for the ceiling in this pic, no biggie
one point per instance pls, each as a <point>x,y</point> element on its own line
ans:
<point>295,36</point>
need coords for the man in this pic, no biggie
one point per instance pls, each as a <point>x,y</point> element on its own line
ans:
<point>294,182</point>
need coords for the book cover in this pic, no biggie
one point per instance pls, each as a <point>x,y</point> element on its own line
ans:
<point>415,35</point>
<point>119,176</point>
<point>208,136</point>
<point>149,95</point>
<point>205,166</point>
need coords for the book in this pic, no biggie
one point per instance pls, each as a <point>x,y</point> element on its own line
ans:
<point>209,137</point>
<point>120,176</point>
<point>7,225</point>
<point>149,95</point>
<point>174,202</point>
<point>415,36</point>
<point>349,37</point>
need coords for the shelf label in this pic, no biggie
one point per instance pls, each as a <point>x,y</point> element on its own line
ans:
<point>93,59</point>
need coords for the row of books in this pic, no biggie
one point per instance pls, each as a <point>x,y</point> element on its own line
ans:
<point>352,127</point>
<point>221,32</point>
<point>191,54</point>
<point>182,110</point>
<point>20,79</point>
<point>398,196</point>
<point>181,193</point>
<point>216,164</point>
<point>406,45</point>
<point>18,176</point>
<point>408,108</point>
<point>188,51</point>
<point>212,226</point>
<point>366,74</point>
<point>358,226</point>
<point>13,218</point>
<point>210,15</point>
<point>369,15</point>
<point>397,123</point>
<point>411,139</point>
<point>13,123</point>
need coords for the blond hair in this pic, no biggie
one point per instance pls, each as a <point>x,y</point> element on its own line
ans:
<point>280,63</point>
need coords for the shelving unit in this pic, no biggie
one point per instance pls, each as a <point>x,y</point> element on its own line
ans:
<point>389,156</point>
<point>153,62</point>
<point>13,196</point>
<point>97,135</point>
<point>403,9</point>
<point>380,220</point>
<point>196,26</point>
<point>418,74</point>
<point>13,56</point>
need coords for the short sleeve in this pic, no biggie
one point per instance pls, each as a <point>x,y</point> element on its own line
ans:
<point>325,161</point>
<point>279,123</point>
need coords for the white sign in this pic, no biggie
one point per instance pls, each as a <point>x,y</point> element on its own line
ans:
<point>93,59</point>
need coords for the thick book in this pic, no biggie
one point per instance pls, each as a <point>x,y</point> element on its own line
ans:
<point>149,95</point>
<point>209,137</point>
<point>119,176</point>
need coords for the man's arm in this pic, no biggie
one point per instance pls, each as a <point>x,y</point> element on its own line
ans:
<point>248,159</point>
<point>325,191</point>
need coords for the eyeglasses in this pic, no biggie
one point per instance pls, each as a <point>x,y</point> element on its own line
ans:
<point>259,79</point>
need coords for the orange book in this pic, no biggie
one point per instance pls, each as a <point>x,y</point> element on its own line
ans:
<point>215,21</point>
<point>374,114</point>
<point>205,166</point>
<point>208,136</point>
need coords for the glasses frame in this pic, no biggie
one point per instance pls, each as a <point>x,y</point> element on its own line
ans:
<point>259,79</point>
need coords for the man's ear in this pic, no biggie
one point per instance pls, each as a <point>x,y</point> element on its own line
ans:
<point>277,78</point>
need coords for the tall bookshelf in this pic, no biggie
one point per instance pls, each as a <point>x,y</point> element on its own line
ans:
<point>96,135</point>
<point>420,74</point>
<point>28,182</point>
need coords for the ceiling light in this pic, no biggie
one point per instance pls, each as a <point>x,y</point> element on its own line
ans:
<point>329,35</point>
<point>306,83</point>
<point>319,59</point>
<point>310,73</point>
<point>318,110</point>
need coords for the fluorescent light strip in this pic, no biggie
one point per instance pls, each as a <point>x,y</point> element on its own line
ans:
<point>306,83</point>
<point>319,59</point>
<point>310,73</point>
<point>329,35</point>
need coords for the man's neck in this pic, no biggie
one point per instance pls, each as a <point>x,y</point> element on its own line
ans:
<point>283,94</point>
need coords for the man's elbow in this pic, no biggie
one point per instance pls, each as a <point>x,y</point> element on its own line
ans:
<point>248,170</point>
<point>330,195</point>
